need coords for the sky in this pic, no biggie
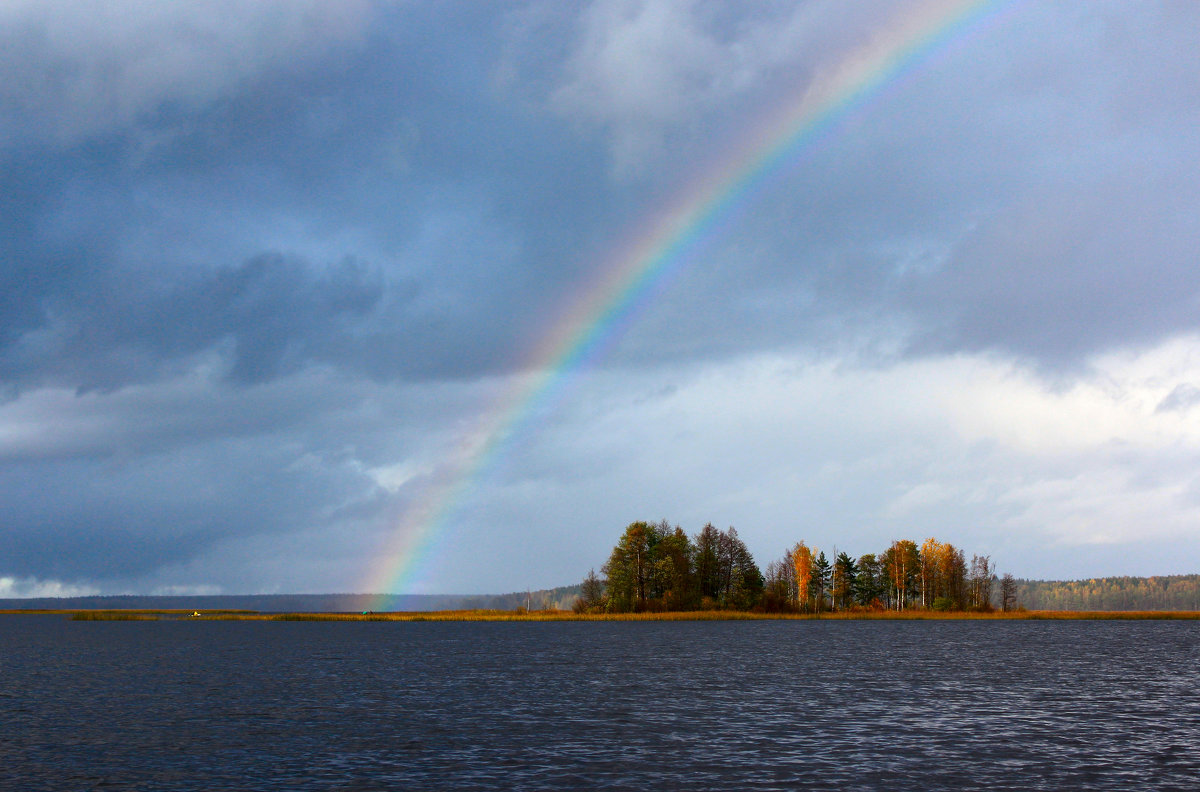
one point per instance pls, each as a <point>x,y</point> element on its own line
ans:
<point>274,278</point>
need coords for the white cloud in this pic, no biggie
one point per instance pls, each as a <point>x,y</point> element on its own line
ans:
<point>1102,505</point>
<point>1041,474</point>
<point>200,590</point>
<point>1050,477</point>
<point>27,587</point>
<point>393,477</point>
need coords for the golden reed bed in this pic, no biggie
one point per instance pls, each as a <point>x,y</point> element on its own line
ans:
<point>494,615</point>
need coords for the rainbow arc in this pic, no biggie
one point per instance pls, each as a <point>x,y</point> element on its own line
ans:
<point>639,270</point>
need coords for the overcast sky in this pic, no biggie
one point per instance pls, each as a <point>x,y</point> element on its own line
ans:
<point>263,265</point>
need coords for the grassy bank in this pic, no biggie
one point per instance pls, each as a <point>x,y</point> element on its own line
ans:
<point>122,614</point>
<point>728,616</point>
<point>562,615</point>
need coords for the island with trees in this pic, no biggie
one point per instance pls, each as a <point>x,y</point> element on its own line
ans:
<point>655,567</point>
<point>656,571</point>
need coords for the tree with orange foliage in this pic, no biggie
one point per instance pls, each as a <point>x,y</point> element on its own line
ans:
<point>943,575</point>
<point>802,562</point>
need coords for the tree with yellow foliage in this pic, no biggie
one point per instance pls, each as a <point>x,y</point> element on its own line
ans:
<point>901,563</point>
<point>931,551</point>
<point>802,563</point>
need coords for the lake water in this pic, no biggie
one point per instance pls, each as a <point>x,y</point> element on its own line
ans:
<point>619,705</point>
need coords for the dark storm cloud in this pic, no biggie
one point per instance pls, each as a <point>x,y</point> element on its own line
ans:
<point>477,188</point>
<point>104,331</point>
<point>100,519</point>
<point>139,240</point>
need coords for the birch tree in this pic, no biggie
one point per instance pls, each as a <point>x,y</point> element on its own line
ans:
<point>802,564</point>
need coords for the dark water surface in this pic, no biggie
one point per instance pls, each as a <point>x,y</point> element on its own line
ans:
<point>621,705</point>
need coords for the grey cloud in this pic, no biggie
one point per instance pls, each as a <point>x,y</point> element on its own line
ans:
<point>1068,273</point>
<point>117,250</point>
<point>279,314</point>
<point>276,313</point>
<point>114,486</point>
<point>120,486</point>
<point>663,75</point>
<point>997,205</point>
<point>111,519</point>
<point>77,69</point>
<point>525,210</point>
<point>1181,398</point>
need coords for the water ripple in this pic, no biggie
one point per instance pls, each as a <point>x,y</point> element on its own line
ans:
<point>705,705</point>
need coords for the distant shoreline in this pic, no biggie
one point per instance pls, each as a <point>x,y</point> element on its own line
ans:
<point>77,614</point>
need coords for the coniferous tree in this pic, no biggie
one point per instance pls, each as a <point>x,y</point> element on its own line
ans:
<point>674,578</point>
<point>844,571</point>
<point>868,588</point>
<point>628,569</point>
<point>725,564</point>
<point>739,580</point>
<point>821,576</point>
<point>746,585</point>
<point>706,564</point>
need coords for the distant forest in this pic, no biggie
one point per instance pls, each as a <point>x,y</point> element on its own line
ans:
<point>1167,592</point>
<point>657,567</point>
<point>560,598</point>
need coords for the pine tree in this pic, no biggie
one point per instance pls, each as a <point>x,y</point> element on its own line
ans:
<point>844,571</point>
<point>867,586</point>
<point>707,574</point>
<point>820,579</point>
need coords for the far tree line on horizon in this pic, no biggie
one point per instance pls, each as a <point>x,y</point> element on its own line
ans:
<point>656,567</point>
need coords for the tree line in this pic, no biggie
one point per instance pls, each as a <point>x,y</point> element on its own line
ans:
<point>657,567</point>
<point>1163,592</point>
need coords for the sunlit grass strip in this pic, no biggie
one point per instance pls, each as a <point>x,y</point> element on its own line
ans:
<point>494,615</point>
<point>119,614</point>
<point>549,616</point>
<point>114,616</point>
<point>563,615</point>
<point>1112,615</point>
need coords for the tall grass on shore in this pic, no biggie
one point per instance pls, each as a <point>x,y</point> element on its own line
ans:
<point>124,614</point>
<point>913,615</point>
<point>563,615</point>
<point>114,616</point>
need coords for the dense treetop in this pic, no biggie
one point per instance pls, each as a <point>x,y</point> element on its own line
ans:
<point>657,567</point>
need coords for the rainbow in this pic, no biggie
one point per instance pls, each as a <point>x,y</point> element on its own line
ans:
<point>640,270</point>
